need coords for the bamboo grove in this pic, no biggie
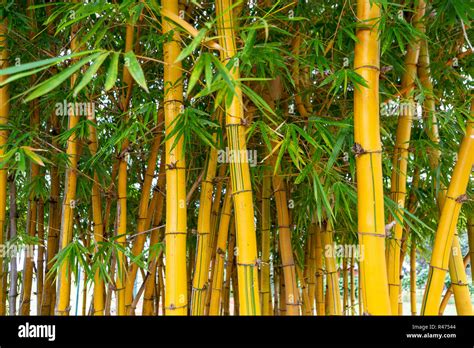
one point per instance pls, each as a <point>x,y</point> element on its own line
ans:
<point>230,157</point>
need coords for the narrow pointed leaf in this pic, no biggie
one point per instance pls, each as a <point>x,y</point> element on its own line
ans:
<point>135,69</point>
<point>112,72</point>
<point>90,73</point>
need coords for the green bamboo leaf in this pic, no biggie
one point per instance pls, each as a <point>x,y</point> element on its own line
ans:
<point>50,61</point>
<point>90,72</point>
<point>23,74</point>
<point>33,156</point>
<point>56,80</point>
<point>192,46</point>
<point>208,70</point>
<point>112,72</point>
<point>135,69</point>
<point>226,76</point>
<point>193,79</point>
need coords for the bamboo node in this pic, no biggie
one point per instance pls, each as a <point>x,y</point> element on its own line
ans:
<point>358,150</point>
<point>175,232</point>
<point>460,283</point>
<point>440,268</point>
<point>172,165</point>
<point>373,67</point>
<point>287,265</point>
<point>234,193</point>
<point>253,264</point>
<point>244,121</point>
<point>173,307</point>
<point>373,234</point>
<point>462,198</point>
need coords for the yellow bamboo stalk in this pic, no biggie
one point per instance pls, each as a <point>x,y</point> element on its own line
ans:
<point>156,236</point>
<point>121,278</point>
<point>371,223</point>
<point>235,287</point>
<point>287,260</point>
<point>445,233</point>
<point>239,173</point>
<point>222,235</point>
<point>139,241</point>
<point>228,271</point>
<point>305,305</point>
<point>4,114</point>
<point>99,287</point>
<point>400,160</point>
<point>312,268</point>
<point>320,303</point>
<point>462,297</point>
<point>345,286</point>
<point>161,284</point>
<point>69,201</point>
<point>176,296</point>
<point>150,279</point>
<point>457,273</point>
<point>332,276</point>
<point>450,291</point>
<point>265,290</point>
<point>204,227</point>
